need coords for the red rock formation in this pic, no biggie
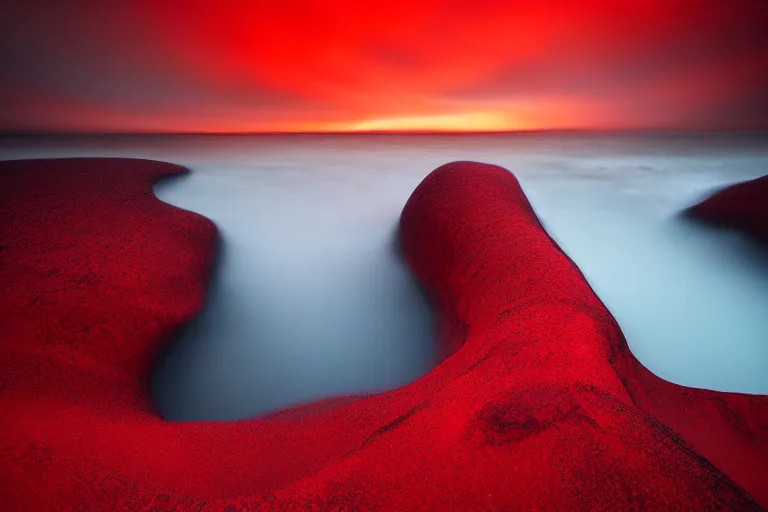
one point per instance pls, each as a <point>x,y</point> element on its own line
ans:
<point>540,406</point>
<point>743,206</point>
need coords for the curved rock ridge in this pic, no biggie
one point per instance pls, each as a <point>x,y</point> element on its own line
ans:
<point>743,206</point>
<point>539,404</point>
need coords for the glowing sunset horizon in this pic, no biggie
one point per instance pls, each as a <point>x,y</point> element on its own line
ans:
<point>344,66</point>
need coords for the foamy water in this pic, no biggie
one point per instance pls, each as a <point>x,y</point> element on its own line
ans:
<point>310,298</point>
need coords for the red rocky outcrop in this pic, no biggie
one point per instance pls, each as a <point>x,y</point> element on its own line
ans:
<point>539,403</point>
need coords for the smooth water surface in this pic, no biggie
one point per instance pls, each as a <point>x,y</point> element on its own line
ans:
<point>310,298</point>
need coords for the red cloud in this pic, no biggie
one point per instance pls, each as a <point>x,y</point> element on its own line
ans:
<point>312,65</point>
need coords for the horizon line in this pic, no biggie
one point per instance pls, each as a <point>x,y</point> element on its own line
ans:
<point>21,133</point>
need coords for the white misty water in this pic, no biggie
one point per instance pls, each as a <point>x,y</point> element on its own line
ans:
<point>310,298</point>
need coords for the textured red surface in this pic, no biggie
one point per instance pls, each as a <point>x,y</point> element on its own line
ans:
<point>743,206</point>
<point>540,406</point>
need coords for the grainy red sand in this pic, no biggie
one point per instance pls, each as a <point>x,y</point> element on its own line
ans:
<point>540,406</point>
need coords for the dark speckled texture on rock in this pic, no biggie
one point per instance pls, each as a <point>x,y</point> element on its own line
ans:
<point>539,403</point>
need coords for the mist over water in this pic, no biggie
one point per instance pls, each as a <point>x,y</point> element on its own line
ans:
<point>310,298</point>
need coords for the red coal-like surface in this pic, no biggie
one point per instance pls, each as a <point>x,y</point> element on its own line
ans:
<point>743,206</point>
<point>539,403</point>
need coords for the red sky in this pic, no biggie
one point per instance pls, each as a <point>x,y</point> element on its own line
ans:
<point>391,65</point>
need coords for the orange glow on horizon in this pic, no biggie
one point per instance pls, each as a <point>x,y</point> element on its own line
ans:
<point>464,122</point>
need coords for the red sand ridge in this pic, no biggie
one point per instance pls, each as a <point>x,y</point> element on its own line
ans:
<point>743,206</point>
<point>540,406</point>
